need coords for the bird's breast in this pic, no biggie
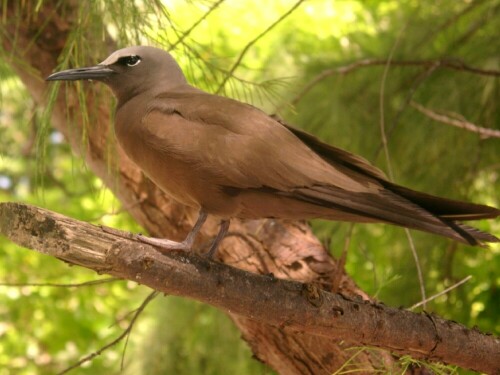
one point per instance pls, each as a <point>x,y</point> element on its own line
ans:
<point>165,162</point>
<point>164,169</point>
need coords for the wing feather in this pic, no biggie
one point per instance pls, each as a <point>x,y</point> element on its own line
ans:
<point>241,146</point>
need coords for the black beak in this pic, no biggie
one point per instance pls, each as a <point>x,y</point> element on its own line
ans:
<point>97,72</point>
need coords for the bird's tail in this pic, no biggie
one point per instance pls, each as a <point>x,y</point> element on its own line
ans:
<point>404,207</point>
<point>451,212</point>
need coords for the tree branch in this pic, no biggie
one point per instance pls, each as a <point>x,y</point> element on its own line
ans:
<point>186,33</point>
<point>462,124</point>
<point>253,41</point>
<point>454,64</point>
<point>288,305</point>
<point>115,341</point>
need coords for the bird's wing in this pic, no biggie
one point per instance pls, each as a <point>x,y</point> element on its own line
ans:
<point>241,146</point>
<point>336,155</point>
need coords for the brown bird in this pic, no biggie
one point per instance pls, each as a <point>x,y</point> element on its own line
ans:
<point>231,160</point>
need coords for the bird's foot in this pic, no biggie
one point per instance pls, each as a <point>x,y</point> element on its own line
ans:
<point>164,244</point>
<point>209,255</point>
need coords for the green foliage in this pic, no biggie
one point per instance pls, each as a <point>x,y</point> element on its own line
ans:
<point>45,329</point>
<point>197,338</point>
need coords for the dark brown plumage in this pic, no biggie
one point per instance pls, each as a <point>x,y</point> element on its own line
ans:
<point>231,160</point>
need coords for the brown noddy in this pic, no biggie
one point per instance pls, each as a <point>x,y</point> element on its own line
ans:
<point>231,160</point>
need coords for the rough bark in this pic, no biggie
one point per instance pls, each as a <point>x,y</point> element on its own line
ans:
<point>287,250</point>
<point>293,310</point>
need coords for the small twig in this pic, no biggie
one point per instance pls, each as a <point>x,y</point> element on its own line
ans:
<point>89,357</point>
<point>122,209</point>
<point>413,250</point>
<point>112,213</point>
<point>449,22</point>
<point>462,124</point>
<point>194,25</point>
<point>253,41</point>
<point>455,64</point>
<point>383,135</point>
<point>440,63</point>
<point>418,80</point>
<point>385,148</point>
<point>441,293</point>
<point>29,144</point>
<point>57,285</point>
<point>347,363</point>
<point>473,27</point>
<point>341,261</point>
<point>218,70</point>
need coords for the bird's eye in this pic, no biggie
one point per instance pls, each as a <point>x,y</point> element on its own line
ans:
<point>130,60</point>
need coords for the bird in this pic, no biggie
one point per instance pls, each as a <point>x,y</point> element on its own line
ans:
<point>231,160</point>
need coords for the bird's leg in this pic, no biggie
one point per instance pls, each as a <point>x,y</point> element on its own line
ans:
<point>202,216</point>
<point>173,245</point>
<point>224,226</point>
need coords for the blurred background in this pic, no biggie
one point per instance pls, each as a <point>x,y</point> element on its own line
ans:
<point>320,65</point>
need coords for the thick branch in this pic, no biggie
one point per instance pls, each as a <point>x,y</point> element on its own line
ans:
<point>288,305</point>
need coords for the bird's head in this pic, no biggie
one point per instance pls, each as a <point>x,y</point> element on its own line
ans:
<point>130,71</point>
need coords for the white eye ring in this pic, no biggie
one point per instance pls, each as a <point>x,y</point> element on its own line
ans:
<point>133,60</point>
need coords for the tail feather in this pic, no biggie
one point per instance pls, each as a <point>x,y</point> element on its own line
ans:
<point>449,211</point>
<point>446,208</point>
<point>406,208</point>
<point>471,235</point>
